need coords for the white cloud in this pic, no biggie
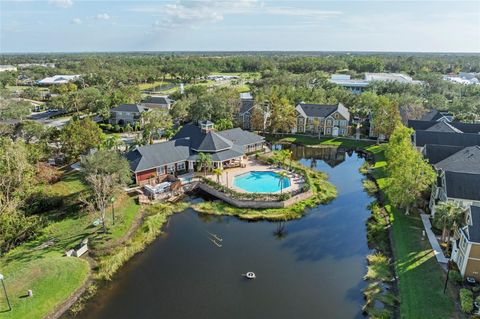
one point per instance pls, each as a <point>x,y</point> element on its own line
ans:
<point>301,12</point>
<point>61,3</point>
<point>77,21</point>
<point>184,13</point>
<point>102,16</point>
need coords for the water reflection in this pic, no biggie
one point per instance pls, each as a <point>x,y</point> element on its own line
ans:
<point>307,268</point>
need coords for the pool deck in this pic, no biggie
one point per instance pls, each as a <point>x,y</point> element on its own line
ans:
<point>228,175</point>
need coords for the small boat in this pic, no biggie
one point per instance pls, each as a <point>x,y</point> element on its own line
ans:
<point>250,275</point>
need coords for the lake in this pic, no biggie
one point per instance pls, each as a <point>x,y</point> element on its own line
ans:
<point>307,268</point>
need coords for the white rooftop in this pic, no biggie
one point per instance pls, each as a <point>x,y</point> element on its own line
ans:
<point>58,79</point>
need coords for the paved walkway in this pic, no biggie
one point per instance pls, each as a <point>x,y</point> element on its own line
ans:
<point>433,240</point>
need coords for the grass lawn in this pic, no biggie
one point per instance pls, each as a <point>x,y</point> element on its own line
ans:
<point>420,277</point>
<point>52,276</point>
<point>315,141</point>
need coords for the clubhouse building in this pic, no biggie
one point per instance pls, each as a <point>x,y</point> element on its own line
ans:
<point>181,154</point>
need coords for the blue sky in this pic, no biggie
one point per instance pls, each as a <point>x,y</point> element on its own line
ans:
<point>85,25</point>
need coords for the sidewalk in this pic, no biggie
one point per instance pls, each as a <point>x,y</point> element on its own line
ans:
<point>433,240</point>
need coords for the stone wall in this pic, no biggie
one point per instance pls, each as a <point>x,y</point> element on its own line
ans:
<point>255,204</point>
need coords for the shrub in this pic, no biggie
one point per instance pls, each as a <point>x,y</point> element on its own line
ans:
<point>466,300</point>
<point>47,174</point>
<point>455,276</point>
<point>370,187</point>
<point>378,267</point>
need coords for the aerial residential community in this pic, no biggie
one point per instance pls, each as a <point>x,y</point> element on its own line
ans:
<point>239,159</point>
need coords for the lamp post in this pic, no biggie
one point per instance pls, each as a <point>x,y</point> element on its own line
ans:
<point>112,200</point>
<point>448,274</point>
<point>5,290</point>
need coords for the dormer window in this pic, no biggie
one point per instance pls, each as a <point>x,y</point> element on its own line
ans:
<point>206,126</point>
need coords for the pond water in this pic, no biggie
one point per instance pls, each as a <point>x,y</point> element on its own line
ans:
<point>307,268</point>
<point>261,182</point>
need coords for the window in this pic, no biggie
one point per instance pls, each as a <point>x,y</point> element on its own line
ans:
<point>329,131</point>
<point>181,166</point>
<point>161,170</point>
<point>171,168</point>
<point>329,122</point>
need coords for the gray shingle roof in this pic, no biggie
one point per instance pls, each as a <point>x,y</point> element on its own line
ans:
<point>235,151</point>
<point>466,127</point>
<point>157,100</point>
<point>200,141</point>
<point>462,185</point>
<point>212,142</point>
<point>419,125</point>
<point>151,156</point>
<point>434,115</point>
<point>445,138</point>
<point>222,146</point>
<point>474,229</point>
<point>318,110</point>
<point>132,108</point>
<point>436,153</point>
<point>466,161</point>
<point>321,110</point>
<point>241,137</point>
<point>443,127</point>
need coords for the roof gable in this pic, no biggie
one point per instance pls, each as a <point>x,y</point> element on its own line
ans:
<point>155,155</point>
<point>443,127</point>
<point>317,110</point>
<point>466,161</point>
<point>129,108</point>
<point>436,153</point>
<point>462,185</point>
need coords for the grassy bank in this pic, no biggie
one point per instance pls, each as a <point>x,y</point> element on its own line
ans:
<point>315,141</point>
<point>41,264</point>
<point>420,277</point>
<point>323,192</point>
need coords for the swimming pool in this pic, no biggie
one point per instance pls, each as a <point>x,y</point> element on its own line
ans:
<point>260,182</point>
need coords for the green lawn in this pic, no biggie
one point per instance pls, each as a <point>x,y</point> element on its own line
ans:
<point>421,279</point>
<point>314,141</point>
<point>52,276</point>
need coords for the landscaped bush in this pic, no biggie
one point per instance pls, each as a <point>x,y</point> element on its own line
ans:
<point>378,267</point>
<point>455,276</point>
<point>377,228</point>
<point>294,167</point>
<point>466,300</point>
<point>370,187</point>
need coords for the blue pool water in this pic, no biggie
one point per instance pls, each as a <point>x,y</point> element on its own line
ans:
<point>260,182</point>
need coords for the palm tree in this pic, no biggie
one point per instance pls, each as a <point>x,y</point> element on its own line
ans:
<point>282,176</point>
<point>288,156</point>
<point>205,161</point>
<point>280,232</point>
<point>218,172</point>
<point>448,215</point>
<point>113,142</point>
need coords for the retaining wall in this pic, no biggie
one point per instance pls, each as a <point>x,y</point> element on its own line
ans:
<point>255,204</point>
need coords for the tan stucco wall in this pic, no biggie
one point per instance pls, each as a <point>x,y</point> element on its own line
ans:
<point>473,269</point>
<point>475,251</point>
